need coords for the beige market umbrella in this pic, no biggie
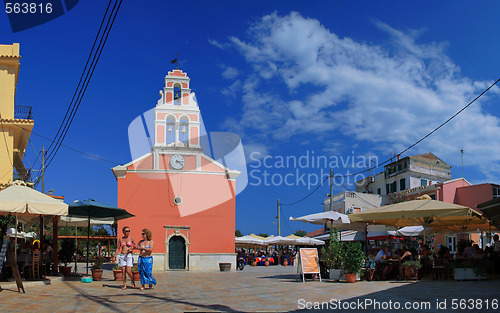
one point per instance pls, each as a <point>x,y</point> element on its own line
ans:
<point>437,215</point>
<point>25,202</point>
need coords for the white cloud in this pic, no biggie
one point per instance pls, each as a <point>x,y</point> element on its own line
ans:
<point>217,44</point>
<point>230,73</point>
<point>385,96</point>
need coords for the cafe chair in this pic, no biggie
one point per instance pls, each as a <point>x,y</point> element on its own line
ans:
<point>33,269</point>
<point>370,269</point>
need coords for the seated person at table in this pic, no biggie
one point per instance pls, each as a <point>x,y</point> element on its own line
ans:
<point>381,257</point>
<point>469,251</point>
<point>426,252</point>
<point>406,255</point>
<point>444,252</point>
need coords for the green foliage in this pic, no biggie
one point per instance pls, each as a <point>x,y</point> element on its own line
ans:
<point>332,254</point>
<point>416,264</point>
<point>134,268</point>
<point>67,251</point>
<point>116,267</point>
<point>238,233</point>
<point>5,221</point>
<point>353,258</point>
<point>97,263</point>
<point>263,235</point>
<point>397,198</point>
<point>300,233</point>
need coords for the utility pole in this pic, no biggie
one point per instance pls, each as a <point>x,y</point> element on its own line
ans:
<point>462,153</point>
<point>43,169</point>
<point>331,189</point>
<point>43,191</point>
<point>278,217</point>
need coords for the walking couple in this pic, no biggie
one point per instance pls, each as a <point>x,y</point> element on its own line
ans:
<point>125,248</point>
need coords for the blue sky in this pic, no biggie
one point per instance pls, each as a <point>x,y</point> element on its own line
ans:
<point>340,79</point>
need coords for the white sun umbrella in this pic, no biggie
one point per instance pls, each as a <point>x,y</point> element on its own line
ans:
<point>278,240</point>
<point>250,240</point>
<point>310,241</point>
<point>78,221</point>
<point>329,217</point>
<point>410,231</point>
<point>83,221</point>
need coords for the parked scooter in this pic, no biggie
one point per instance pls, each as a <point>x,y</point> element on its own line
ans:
<point>240,263</point>
<point>240,260</point>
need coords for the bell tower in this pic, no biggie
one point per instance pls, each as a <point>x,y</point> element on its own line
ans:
<point>177,115</point>
<point>177,120</point>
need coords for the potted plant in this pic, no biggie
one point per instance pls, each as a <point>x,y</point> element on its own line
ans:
<point>353,260</point>
<point>411,269</point>
<point>135,273</point>
<point>117,273</point>
<point>65,256</point>
<point>96,269</point>
<point>471,269</point>
<point>331,255</point>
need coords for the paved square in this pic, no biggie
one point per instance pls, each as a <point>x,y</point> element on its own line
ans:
<point>255,289</point>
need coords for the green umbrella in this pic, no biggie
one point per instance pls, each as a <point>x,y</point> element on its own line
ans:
<point>94,209</point>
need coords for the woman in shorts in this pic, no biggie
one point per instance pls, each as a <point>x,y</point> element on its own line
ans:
<point>124,250</point>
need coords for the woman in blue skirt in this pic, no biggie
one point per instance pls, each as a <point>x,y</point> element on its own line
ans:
<point>145,263</point>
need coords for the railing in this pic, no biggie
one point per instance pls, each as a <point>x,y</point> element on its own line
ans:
<point>22,112</point>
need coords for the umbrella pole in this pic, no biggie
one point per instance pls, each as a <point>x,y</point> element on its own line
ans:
<point>15,243</point>
<point>425,237</point>
<point>88,243</point>
<point>76,246</point>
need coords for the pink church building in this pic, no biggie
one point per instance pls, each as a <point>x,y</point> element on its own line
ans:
<point>186,198</point>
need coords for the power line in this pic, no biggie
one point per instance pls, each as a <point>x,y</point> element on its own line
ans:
<point>411,146</point>
<point>70,148</point>
<point>88,76</point>
<point>433,131</point>
<point>80,81</point>
<point>307,195</point>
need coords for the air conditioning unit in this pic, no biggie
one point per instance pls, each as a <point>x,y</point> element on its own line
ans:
<point>350,210</point>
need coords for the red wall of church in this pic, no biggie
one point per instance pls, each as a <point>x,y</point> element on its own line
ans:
<point>150,199</point>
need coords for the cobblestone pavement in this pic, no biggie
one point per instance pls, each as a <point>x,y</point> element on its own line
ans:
<point>255,289</point>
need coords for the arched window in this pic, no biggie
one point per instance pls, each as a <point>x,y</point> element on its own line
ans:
<point>177,94</point>
<point>170,137</point>
<point>184,131</point>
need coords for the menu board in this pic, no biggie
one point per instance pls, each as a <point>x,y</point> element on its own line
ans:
<point>309,262</point>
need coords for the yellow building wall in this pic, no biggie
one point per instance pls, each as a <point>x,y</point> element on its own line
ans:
<point>14,133</point>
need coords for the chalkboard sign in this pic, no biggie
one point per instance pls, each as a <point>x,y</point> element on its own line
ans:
<point>3,253</point>
<point>7,250</point>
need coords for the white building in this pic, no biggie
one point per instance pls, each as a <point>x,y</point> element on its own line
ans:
<point>411,172</point>
<point>348,202</point>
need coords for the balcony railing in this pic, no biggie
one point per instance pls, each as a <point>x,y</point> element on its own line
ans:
<point>22,112</point>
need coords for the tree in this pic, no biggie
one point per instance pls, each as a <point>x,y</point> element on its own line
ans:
<point>300,233</point>
<point>263,235</point>
<point>332,253</point>
<point>237,233</point>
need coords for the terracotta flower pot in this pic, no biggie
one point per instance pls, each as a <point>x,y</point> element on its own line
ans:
<point>136,276</point>
<point>266,263</point>
<point>65,270</point>
<point>97,274</point>
<point>350,278</point>
<point>411,272</point>
<point>254,263</point>
<point>118,275</point>
<point>285,263</point>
